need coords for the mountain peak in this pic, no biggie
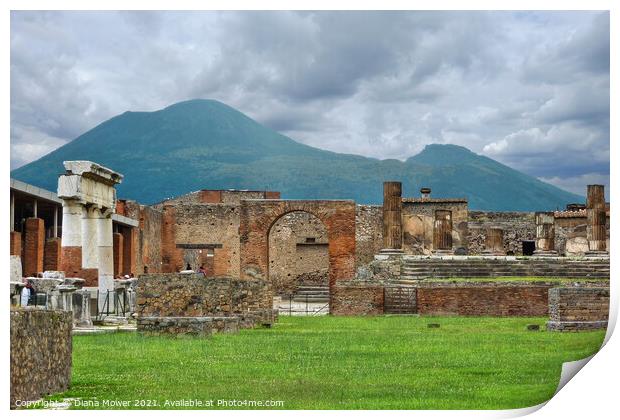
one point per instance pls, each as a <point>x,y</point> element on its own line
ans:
<point>204,143</point>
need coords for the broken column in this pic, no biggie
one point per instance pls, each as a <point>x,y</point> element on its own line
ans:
<point>494,243</point>
<point>545,234</point>
<point>392,222</point>
<point>89,200</point>
<point>597,218</point>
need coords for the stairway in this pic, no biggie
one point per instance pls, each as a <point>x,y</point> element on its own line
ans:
<point>312,294</point>
<point>423,268</point>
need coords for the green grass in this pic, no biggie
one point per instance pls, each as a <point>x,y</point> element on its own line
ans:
<point>387,362</point>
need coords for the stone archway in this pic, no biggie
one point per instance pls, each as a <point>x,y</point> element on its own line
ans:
<point>258,216</point>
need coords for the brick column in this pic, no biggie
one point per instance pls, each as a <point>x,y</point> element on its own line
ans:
<point>130,246</point>
<point>118,253</point>
<point>392,222</point>
<point>597,218</point>
<point>34,246</point>
<point>51,260</point>
<point>16,244</point>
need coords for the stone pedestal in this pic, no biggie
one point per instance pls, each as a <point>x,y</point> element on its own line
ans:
<point>81,309</point>
<point>66,297</point>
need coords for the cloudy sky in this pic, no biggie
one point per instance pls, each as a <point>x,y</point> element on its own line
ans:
<point>529,89</point>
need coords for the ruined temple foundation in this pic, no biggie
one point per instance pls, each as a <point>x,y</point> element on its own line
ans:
<point>545,235</point>
<point>392,221</point>
<point>597,219</point>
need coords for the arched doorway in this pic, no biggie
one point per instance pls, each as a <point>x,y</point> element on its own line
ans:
<point>299,256</point>
<point>258,216</point>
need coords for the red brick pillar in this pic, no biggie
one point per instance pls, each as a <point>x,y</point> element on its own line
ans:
<point>172,258</point>
<point>16,243</point>
<point>34,246</point>
<point>51,260</point>
<point>117,253</point>
<point>130,245</point>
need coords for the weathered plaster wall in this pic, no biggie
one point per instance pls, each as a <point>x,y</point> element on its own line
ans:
<point>418,217</point>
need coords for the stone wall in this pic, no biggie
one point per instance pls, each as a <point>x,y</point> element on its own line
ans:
<point>517,227</point>
<point>482,299</point>
<point>298,252</point>
<point>578,308</point>
<point>193,295</point>
<point>368,233</point>
<point>352,299</point>
<point>40,353</point>
<point>148,238</point>
<point>418,217</point>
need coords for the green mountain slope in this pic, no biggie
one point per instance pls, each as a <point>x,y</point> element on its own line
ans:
<point>205,144</point>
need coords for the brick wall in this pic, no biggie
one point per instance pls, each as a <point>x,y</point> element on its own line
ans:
<point>16,243</point>
<point>578,308</point>
<point>356,299</point>
<point>51,260</point>
<point>34,246</point>
<point>483,300</point>
<point>40,353</point>
<point>117,253</point>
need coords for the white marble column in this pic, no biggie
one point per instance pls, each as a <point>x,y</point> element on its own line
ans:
<point>90,250</point>
<point>72,211</point>
<point>106,260</point>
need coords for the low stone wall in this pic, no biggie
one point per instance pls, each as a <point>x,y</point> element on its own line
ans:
<point>578,308</point>
<point>40,353</point>
<point>357,299</point>
<point>162,298</point>
<point>196,326</point>
<point>483,300</point>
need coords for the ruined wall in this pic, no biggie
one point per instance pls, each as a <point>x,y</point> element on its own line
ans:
<point>298,252</point>
<point>196,295</point>
<point>209,224</point>
<point>352,299</point>
<point>40,353</point>
<point>517,226</point>
<point>220,197</point>
<point>578,308</point>
<point>418,216</point>
<point>483,300</point>
<point>368,233</point>
<point>570,233</point>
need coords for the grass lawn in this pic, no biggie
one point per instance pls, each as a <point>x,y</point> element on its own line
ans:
<point>386,362</point>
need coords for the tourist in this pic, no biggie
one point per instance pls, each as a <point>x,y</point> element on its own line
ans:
<point>202,271</point>
<point>28,293</point>
<point>189,267</point>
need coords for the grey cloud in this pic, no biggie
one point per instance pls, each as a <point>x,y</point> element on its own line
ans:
<point>530,89</point>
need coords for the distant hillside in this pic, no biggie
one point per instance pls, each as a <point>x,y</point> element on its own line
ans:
<point>204,144</point>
